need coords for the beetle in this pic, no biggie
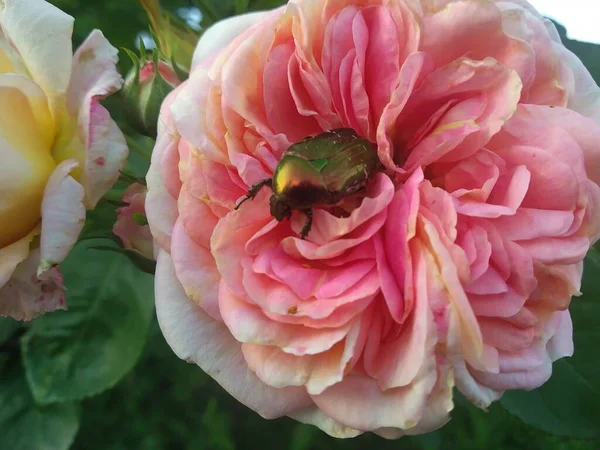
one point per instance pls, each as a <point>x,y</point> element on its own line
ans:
<point>319,170</point>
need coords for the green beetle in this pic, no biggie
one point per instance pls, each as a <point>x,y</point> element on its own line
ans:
<point>319,170</point>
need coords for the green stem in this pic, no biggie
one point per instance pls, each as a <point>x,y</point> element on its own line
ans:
<point>115,197</point>
<point>129,178</point>
<point>138,148</point>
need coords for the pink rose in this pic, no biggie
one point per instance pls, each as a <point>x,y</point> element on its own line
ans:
<point>458,265</point>
<point>131,225</point>
<point>60,152</point>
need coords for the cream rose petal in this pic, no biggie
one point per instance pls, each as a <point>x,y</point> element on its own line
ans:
<point>195,337</point>
<point>14,254</point>
<point>95,76</point>
<point>42,35</point>
<point>161,207</point>
<point>25,296</point>
<point>63,215</point>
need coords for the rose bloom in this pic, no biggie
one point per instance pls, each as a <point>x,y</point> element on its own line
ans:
<point>455,267</point>
<point>59,149</point>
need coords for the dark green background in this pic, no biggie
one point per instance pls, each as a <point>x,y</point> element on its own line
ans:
<point>165,403</point>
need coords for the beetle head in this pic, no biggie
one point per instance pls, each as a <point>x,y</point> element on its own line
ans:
<point>279,208</point>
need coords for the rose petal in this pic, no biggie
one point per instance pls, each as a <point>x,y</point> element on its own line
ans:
<point>63,216</point>
<point>41,33</point>
<point>161,207</point>
<point>219,35</point>
<point>196,337</point>
<point>94,77</point>
<point>25,296</point>
<point>12,255</point>
<point>314,416</point>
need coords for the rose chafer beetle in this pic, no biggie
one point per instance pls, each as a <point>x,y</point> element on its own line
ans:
<point>319,170</point>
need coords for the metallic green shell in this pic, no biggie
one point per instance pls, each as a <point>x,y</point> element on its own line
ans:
<point>325,168</point>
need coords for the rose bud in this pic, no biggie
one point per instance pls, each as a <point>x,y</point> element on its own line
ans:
<point>131,225</point>
<point>146,86</point>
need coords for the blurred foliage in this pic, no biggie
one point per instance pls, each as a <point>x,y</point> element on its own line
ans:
<point>27,425</point>
<point>74,354</point>
<point>165,403</point>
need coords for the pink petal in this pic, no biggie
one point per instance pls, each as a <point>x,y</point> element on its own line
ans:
<point>317,372</point>
<point>402,359</point>
<point>489,93</point>
<point>330,235</point>
<point>584,131</point>
<point>278,298</point>
<point>443,265</point>
<point>233,233</point>
<point>25,296</point>
<point>529,223</point>
<point>94,77</point>
<point>132,235</point>
<point>248,324</point>
<point>197,217</point>
<point>191,118</point>
<point>522,360</point>
<point>504,336</point>
<point>557,250</point>
<point>397,408</point>
<point>497,305</point>
<point>560,344</point>
<point>161,207</point>
<point>222,33</point>
<point>477,393</point>
<point>196,271</point>
<point>412,72</point>
<point>395,265</point>
<point>462,23</point>
<point>281,111</point>
<point>196,337</point>
<point>525,380</point>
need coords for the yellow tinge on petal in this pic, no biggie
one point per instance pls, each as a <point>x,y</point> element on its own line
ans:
<point>26,137</point>
<point>5,63</point>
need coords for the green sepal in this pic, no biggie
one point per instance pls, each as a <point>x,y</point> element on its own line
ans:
<point>139,219</point>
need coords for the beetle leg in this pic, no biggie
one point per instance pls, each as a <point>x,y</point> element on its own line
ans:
<point>254,190</point>
<point>308,224</point>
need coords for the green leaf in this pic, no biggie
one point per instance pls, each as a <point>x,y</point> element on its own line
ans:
<point>25,425</point>
<point>100,221</point>
<point>217,426</point>
<point>8,326</point>
<point>585,311</point>
<point>70,355</point>
<point>564,406</point>
<point>569,403</point>
<point>141,262</point>
<point>241,6</point>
